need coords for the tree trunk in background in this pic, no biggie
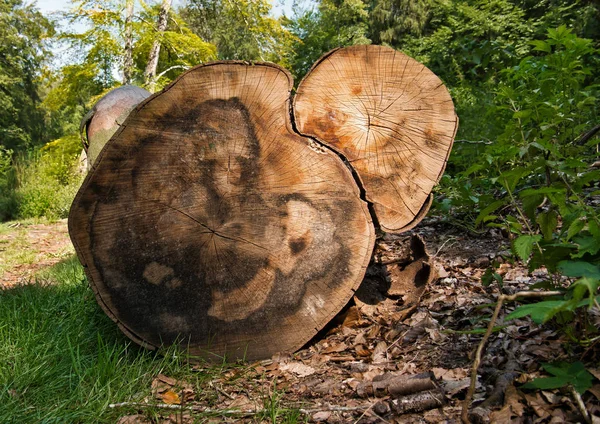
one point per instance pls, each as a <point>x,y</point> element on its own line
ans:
<point>128,61</point>
<point>150,72</point>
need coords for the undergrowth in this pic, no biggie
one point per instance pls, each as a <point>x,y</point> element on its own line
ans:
<point>39,183</point>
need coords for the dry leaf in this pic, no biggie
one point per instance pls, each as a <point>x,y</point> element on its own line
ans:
<point>502,416</point>
<point>168,380</point>
<point>243,403</point>
<point>362,351</point>
<point>335,348</point>
<point>321,416</point>
<point>352,318</point>
<point>452,374</point>
<point>170,398</point>
<point>134,419</point>
<point>297,368</point>
<point>539,406</point>
<point>595,390</point>
<point>595,372</point>
<point>452,387</point>
<point>380,353</point>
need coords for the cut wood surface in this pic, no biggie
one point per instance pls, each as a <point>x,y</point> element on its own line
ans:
<point>390,117</point>
<point>207,220</point>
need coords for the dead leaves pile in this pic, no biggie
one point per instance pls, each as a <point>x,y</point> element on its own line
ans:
<point>388,359</point>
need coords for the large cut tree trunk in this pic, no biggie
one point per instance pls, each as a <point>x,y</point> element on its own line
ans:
<point>209,221</point>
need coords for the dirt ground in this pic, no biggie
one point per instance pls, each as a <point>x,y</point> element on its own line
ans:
<point>398,354</point>
<point>27,248</point>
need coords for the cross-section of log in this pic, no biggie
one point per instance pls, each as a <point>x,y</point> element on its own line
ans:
<point>207,221</point>
<point>390,117</point>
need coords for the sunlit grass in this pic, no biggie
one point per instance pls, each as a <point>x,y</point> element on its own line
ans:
<point>62,360</point>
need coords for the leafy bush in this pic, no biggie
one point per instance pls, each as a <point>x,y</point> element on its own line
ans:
<point>536,183</point>
<point>7,183</point>
<point>39,183</point>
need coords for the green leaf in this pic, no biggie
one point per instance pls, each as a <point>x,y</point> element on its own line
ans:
<point>578,269</point>
<point>540,312</point>
<point>586,244</point>
<point>594,229</point>
<point>485,212</point>
<point>548,221</point>
<point>541,46</point>
<point>523,245</point>
<point>575,228</point>
<point>489,275</point>
<point>583,286</point>
<point>565,374</point>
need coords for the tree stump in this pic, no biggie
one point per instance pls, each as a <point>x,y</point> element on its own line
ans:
<point>208,221</point>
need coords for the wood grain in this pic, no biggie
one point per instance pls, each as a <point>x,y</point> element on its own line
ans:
<point>390,117</point>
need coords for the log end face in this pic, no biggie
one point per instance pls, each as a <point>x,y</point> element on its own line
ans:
<point>391,118</point>
<point>206,222</point>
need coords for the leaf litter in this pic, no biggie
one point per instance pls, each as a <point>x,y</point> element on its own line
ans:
<point>400,353</point>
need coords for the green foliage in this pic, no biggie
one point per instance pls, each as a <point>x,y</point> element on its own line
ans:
<point>240,29</point>
<point>41,183</point>
<point>564,374</point>
<point>180,49</point>
<point>8,204</point>
<point>335,23</point>
<point>23,52</point>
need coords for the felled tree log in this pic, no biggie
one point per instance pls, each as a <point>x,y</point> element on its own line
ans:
<point>105,118</point>
<point>207,220</point>
<point>390,117</point>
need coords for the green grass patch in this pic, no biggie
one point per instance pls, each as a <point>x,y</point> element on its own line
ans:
<point>62,360</point>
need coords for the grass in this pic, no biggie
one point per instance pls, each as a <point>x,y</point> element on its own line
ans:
<point>62,360</point>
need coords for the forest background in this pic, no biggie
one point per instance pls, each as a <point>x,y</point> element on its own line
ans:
<point>524,76</point>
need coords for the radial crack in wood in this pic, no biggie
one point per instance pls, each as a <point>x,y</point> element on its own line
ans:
<point>208,221</point>
<point>390,117</point>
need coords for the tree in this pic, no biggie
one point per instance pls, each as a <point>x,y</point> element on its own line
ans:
<point>98,55</point>
<point>391,21</point>
<point>150,72</point>
<point>334,23</point>
<point>24,32</point>
<point>241,29</point>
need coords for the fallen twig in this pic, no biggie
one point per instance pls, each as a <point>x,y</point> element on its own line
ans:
<point>244,412</point>
<point>477,361</point>
<point>580,405</point>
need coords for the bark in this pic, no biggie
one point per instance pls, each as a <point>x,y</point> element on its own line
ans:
<point>150,72</point>
<point>128,61</point>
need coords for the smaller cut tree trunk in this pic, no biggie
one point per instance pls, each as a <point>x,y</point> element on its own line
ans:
<point>128,62</point>
<point>150,72</point>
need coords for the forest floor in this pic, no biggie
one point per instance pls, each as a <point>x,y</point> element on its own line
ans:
<point>356,369</point>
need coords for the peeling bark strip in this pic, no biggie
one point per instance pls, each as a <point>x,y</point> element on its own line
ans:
<point>390,117</point>
<point>207,221</point>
